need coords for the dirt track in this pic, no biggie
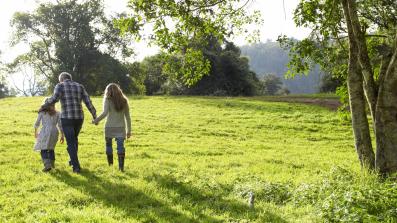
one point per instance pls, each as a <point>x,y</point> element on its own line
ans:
<point>330,103</point>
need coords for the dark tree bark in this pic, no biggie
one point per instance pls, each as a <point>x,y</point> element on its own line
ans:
<point>370,88</point>
<point>382,100</point>
<point>386,120</point>
<point>357,101</point>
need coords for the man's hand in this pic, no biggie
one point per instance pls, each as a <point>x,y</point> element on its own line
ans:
<point>94,122</point>
<point>62,139</point>
<point>128,135</point>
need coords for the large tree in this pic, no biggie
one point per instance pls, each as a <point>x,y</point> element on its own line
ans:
<point>230,73</point>
<point>73,36</point>
<point>357,39</point>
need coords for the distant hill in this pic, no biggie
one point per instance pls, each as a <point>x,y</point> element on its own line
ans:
<point>270,58</point>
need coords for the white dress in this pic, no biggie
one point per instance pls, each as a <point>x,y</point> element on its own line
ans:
<point>48,136</point>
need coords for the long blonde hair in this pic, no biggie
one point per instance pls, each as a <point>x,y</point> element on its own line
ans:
<point>114,93</point>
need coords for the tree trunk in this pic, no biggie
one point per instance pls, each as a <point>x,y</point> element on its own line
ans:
<point>385,111</point>
<point>357,101</point>
<point>370,87</point>
<point>360,124</point>
<point>386,120</point>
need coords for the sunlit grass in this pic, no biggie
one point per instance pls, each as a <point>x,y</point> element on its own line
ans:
<point>191,159</point>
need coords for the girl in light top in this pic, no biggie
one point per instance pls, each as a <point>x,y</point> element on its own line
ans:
<point>47,138</point>
<point>118,122</point>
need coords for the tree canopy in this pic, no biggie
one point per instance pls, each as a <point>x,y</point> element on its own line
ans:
<point>184,26</point>
<point>71,36</point>
<point>229,74</point>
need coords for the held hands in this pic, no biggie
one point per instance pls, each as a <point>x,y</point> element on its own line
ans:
<point>128,135</point>
<point>94,122</point>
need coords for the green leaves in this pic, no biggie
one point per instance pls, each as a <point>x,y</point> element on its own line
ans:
<point>175,25</point>
<point>70,36</point>
<point>190,67</point>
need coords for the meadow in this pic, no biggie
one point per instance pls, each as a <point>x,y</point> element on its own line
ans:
<point>195,159</point>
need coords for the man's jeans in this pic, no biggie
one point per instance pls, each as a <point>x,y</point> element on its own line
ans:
<point>120,145</point>
<point>71,128</point>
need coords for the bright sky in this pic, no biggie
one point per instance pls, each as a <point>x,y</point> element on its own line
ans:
<point>275,23</point>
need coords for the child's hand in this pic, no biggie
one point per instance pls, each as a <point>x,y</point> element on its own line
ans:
<point>62,139</point>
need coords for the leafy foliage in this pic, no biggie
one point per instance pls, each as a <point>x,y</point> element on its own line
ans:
<point>341,196</point>
<point>271,84</point>
<point>71,36</point>
<point>329,83</point>
<point>175,25</point>
<point>3,89</point>
<point>327,45</point>
<point>152,68</point>
<point>229,74</point>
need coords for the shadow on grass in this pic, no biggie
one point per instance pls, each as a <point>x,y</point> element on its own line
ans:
<point>197,201</point>
<point>133,203</point>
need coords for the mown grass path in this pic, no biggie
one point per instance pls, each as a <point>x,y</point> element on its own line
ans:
<point>188,161</point>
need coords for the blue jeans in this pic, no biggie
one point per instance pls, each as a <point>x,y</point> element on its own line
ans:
<point>71,129</point>
<point>47,154</point>
<point>120,145</point>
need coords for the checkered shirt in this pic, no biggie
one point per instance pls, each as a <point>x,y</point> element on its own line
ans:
<point>71,94</point>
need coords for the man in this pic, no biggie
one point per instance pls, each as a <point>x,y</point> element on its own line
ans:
<point>71,94</point>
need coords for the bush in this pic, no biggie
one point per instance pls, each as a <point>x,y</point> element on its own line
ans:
<point>277,193</point>
<point>271,84</point>
<point>345,197</point>
<point>341,197</point>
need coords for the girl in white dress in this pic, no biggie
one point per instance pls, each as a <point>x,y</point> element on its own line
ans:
<point>47,138</point>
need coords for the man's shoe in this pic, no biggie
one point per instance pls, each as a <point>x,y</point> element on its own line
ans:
<point>46,169</point>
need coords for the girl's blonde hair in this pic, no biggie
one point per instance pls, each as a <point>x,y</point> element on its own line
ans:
<point>114,93</point>
<point>48,108</point>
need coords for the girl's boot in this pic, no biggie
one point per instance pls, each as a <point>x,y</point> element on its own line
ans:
<point>121,161</point>
<point>110,158</point>
<point>47,165</point>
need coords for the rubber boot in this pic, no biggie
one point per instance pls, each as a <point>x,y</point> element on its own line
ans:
<point>53,164</point>
<point>121,161</point>
<point>110,158</point>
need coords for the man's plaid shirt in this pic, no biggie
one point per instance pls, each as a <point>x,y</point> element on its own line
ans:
<point>71,94</point>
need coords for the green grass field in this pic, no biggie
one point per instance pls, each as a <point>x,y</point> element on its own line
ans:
<point>194,159</point>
